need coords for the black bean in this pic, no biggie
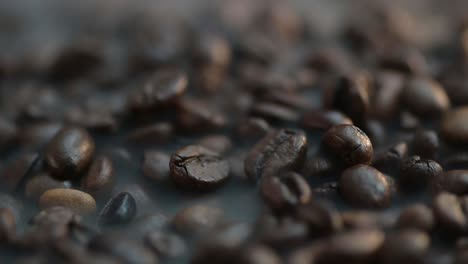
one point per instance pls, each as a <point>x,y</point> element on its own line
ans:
<point>406,246</point>
<point>159,133</point>
<point>120,209</point>
<point>425,144</point>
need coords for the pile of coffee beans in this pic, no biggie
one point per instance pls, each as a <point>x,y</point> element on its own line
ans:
<point>234,131</point>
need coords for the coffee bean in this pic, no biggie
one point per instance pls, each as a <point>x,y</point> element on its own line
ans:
<point>320,219</point>
<point>409,121</point>
<point>275,112</point>
<point>389,161</point>
<point>218,143</point>
<point>280,150</point>
<point>7,225</point>
<point>161,89</point>
<point>120,209</point>
<point>406,246</point>
<point>38,134</point>
<point>156,165</point>
<point>78,201</point>
<point>453,127</point>
<point>160,133</point>
<point>418,173</point>
<point>165,244</point>
<point>254,128</point>
<point>449,213</point>
<point>454,181</point>
<point>318,167</point>
<point>285,191</point>
<point>280,231</point>
<point>38,184</point>
<point>416,216</point>
<point>100,176</point>
<point>69,153</point>
<point>195,167</point>
<point>197,218</point>
<point>195,115</point>
<point>431,98</point>
<point>404,61</point>
<point>365,186</point>
<point>93,120</point>
<point>348,144</point>
<point>8,133</point>
<point>386,101</point>
<point>425,144</point>
<point>324,119</point>
<point>212,49</point>
<point>14,172</point>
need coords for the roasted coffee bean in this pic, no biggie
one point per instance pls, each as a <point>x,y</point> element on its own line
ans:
<point>449,213</point>
<point>195,167</point>
<point>165,244</point>
<point>285,191</point>
<point>431,97</point>
<point>100,176</point>
<point>348,144</point>
<point>156,165</point>
<point>418,173</point>
<point>280,231</point>
<point>359,246</point>
<point>405,61</point>
<point>8,133</point>
<point>120,209</point>
<point>416,216</point>
<point>142,199</point>
<point>160,133</point>
<point>197,218</point>
<point>318,167</point>
<point>386,101</point>
<point>275,112</point>
<point>78,201</point>
<point>38,134</point>
<point>320,219</point>
<point>389,161</point>
<point>195,115</point>
<point>218,143</point>
<point>324,119</point>
<point>120,246</point>
<point>366,219</point>
<point>350,95</point>
<point>327,190</point>
<point>40,183</point>
<point>406,247</point>
<point>14,172</point>
<point>280,150</point>
<point>7,225</point>
<point>254,128</point>
<point>161,89</point>
<point>454,181</point>
<point>364,186</point>
<point>453,127</point>
<point>425,144</point>
<point>375,131</point>
<point>69,153</point>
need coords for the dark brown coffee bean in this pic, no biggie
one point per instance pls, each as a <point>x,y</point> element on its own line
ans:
<point>8,133</point>
<point>285,191</point>
<point>324,119</point>
<point>280,231</point>
<point>160,90</point>
<point>425,144</point>
<point>196,115</point>
<point>254,128</point>
<point>280,150</point>
<point>365,186</point>
<point>364,219</point>
<point>348,144</point>
<point>406,247</point>
<point>454,181</point>
<point>318,167</point>
<point>425,97</point>
<point>69,153</point>
<point>40,183</point>
<point>386,100</point>
<point>197,218</point>
<point>156,165</point>
<point>359,246</point>
<point>78,201</point>
<point>120,209</point>
<point>350,95</point>
<point>418,173</point>
<point>100,177</point>
<point>165,244</point>
<point>449,213</point>
<point>14,172</point>
<point>389,161</point>
<point>453,127</point>
<point>218,143</point>
<point>275,112</point>
<point>320,219</point>
<point>409,121</point>
<point>7,225</point>
<point>405,61</point>
<point>195,167</point>
<point>327,190</point>
<point>160,133</point>
<point>416,216</point>
<point>99,121</point>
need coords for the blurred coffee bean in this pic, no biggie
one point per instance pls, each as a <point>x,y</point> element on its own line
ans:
<point>386,100</point>
<point>197,218</point>
<point>324,119</point>
<point>425,97</point>
<point>96,121</point>
<point>38,134</point>
<point>453,127</point>
<point>425,144</point>
<point>195,115</point>
<point>7,225</point>
<point>366,219</point>
<point>120,209</point>
<point>160,133</point>
<point>69,153</point>
<point>253,128</point>
<point>279,150</point>
<point>364,186</point>
<point>165,244</point>
<point>389,161</point>
<point>218,143</point>
<point>100,176</point>
<point>78,201</point>
<point>40,183</point>
<point>454,181</point>
<point>449,214</point>
<point>406,247</point>
<point>375,131</point>
<point>416,173</point>
<point>318,167</point>
<point>285,191</point>
<point>197,168</point>
<point>139,193</point>
<point>14,172</point>
<point>416,216</point>
<point>275,112</point>
<point>348,144</point>
<point>143,225</point>
<point>8,133</point>
<point>320,219</point>
<point>156,165</point>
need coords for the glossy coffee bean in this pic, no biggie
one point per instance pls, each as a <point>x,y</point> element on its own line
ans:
<point>454,181</point>
<point>348,144</point>
<point>78,201</point>
<point>120,209</point>
<point>280,150</point>
<point>432,99</point>
<point>418,173</point>
<point>324,119</point>
<point>14,172</point>
<point>425,144</point>
<point>100,176</point>
<point>156,165</point>
<point>40,183</point>
<point>197,218</point>
<point>385,102</point>
<point>285,191</point>
<point>405,246</point>
<point>364,186</point>
<point>453,127</point>
<point>195,167</point>
<point>165,244</point>
<point>416,216</point>
<point>69,153</point>
<point>275,112</point>
<point>318,167</point>
<point>449,214</point>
